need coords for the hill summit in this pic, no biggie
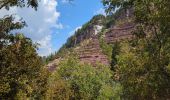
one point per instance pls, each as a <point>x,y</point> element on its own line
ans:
<point>93,42</point>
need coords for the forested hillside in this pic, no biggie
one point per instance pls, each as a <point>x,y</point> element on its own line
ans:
<point>94,41</point>
<point>133,43</point>
<point>124,55</point>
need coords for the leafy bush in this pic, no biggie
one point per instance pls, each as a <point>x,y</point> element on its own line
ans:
<point>142,73</point>
<point>106,48</point>
<point>82,81</point>
<point>19,64</point>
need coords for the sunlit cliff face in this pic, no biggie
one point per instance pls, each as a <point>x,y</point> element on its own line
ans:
<point>98,29</point>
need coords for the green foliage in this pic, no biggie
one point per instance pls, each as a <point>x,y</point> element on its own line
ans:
<point>115,52</point>
<point>109,21</point>
<point>7,25</point>
<point>58,89</point>
<point>82,81</point>
<point>79,35</point>
<point>142,73</point>
<point>19,64</point>
<point>84,31</point>
<point>111,50</point>
<point>19,3</point>
<point>112,5</point>
<point>21,75</point>
<point>143,64</point>
<point>50,57</point>
<point>40,87</point>
<point>106,48</point>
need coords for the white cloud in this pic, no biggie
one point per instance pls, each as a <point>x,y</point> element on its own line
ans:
<point>46,46</point>
<point>100,11</point>
<point>72,32</point>
<point>39,23</point>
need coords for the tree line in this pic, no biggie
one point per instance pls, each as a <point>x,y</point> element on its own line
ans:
<point>142,65</point>
<point>140,68</point>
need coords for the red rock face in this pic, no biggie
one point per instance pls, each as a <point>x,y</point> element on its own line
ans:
<point>119,33</point>
<point>92,53</point>
<point>85,35</point>
<point>53,65</point>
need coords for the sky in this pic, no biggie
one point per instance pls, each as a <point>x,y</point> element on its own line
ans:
<point>55,21</point>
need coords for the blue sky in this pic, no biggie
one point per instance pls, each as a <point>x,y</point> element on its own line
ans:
<point>55,21</point>
<point>73,16</point>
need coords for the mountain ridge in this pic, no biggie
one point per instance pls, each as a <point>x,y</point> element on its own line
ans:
<point>93,42</point>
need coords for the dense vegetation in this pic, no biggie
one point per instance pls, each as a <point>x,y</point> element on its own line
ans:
<point>76,81</point>
<point>20,65</point>
<point>139,70</point>
<point>142,65</point>
<point>84,33</point>
<point>106,48</point>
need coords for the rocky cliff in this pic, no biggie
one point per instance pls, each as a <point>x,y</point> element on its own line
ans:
<point>86,42</point>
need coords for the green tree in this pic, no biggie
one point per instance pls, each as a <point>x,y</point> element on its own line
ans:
<point>7,24</point>
<point>40,87</point>
<point>82,81</point>
<point>142,64</point>
<point>112,5</point>
<point>115,52</point>
<point>19,63</point>
<point>142,73</point>
<point>19,3</point>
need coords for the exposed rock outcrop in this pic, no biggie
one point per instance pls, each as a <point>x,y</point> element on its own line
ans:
<point>52,65</point>
<point>91,52</point>
<point>119,33</point>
